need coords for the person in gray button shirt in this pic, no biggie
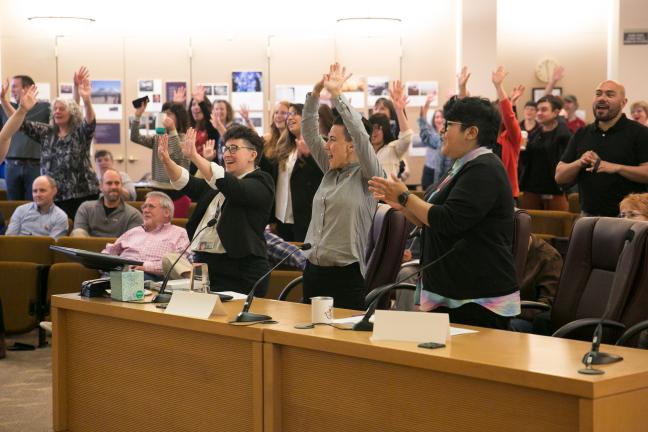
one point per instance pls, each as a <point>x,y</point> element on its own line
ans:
<point>343,207</point>
<point>109,216</point>
<point>23,158</point>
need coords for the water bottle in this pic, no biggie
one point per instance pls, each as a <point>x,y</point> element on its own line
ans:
<point>159,123</point>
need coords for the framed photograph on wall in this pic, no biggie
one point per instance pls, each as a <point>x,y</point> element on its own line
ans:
<point>538,92</point>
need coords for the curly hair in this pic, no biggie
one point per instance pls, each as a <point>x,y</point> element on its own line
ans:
<point>73,108</point>
<point>636,201</point>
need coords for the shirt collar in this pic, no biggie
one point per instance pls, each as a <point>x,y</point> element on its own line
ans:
<point>623,120</point>
<point>158,229</point>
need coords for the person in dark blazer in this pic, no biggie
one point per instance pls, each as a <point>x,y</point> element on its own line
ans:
<point>467,223</point>
<point>239,196</point>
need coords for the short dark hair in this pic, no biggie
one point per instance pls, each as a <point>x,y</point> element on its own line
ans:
<point>532,104</point>
<point>25,79</point>
<point>383,122</point>
<point>475,111</point>
<point>245,133</point>
<point>102,153</point>
<point>555,102</point>
<point>181,114</point>
<point>339,122</point>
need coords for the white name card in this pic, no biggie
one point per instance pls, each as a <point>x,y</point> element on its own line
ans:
<point>195,305</point>
<point>411,326</point>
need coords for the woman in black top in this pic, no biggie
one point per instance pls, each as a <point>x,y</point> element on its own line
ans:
<point>467,222</point>
<point>240,197</point>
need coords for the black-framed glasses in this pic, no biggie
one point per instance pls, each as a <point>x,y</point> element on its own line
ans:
<point>234,148</point>
<point>447,122</point>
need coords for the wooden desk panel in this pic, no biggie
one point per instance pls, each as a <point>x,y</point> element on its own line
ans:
<point>129,367</point>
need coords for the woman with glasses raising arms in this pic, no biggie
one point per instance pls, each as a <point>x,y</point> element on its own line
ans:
<point>239,196</point>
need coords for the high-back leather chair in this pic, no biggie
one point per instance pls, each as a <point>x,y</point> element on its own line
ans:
<point>521,233</point>
<point>588,290</point>
<point>389,230</point>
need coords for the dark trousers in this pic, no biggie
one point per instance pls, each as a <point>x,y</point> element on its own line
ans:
<point>286,231</point>
<point>345,284</point>
<point>20,174</point>
<point>476,315</point>
<point>70,206</point>
<point>235,274</point>
<point>428,177</point>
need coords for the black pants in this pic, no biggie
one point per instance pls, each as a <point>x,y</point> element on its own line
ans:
<point>345,284</point>
<point>70,206</point>
<point>286,231</point>
<point>476,315</point>
<point>235,274</point>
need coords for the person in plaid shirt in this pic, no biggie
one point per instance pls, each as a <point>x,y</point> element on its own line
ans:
<point>152,240</point>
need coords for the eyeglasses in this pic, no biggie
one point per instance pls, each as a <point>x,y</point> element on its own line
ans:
<point>446,123</point>
<point>292,114</point>
<point>234,148</point>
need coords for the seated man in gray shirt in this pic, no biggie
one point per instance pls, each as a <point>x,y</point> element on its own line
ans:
<point>103,161</point>
<point>109,216</point>
<point>41,217</point>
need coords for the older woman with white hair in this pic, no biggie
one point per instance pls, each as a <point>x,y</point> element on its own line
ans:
<point>65,148</point>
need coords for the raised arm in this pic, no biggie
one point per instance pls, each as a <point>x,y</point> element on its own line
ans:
<point>85,91</point>
<point>135,136</point>
<point>398,96</point>
<point>4,98</point>
<point>429,136</point>
<point>353,122</point>
<point>245,114</point>
<point>189,151</point>
<point>310,127</point>
<point>462,82</point>
<point>557,74</point>
<point>79,76</point>
<point>27,102</point>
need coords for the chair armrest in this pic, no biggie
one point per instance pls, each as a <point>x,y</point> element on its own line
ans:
<point>570,327</point>
<point>528,304</point>
<point>283,295</point>
<point>632,332</point>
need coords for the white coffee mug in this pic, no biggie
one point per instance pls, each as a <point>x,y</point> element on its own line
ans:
<point>321,310</point>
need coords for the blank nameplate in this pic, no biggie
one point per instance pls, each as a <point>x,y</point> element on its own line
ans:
<point>411,326</point>
<point>195,305</point>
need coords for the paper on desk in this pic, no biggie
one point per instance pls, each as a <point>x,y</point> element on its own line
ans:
<point>454,331</point>
<point>234,294</point>
<point>195,305</point>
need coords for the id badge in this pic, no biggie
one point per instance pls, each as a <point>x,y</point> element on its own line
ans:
<point>205,245</point>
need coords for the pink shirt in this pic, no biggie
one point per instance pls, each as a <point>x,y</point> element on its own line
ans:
<point>150,246</point>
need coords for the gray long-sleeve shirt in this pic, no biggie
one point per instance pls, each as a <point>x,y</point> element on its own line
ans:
<point>343,207</point>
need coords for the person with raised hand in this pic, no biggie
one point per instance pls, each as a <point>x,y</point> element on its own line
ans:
<point>12,125</point>
<point>239,196</point>
<point>509,139</point>
<point>65,149</point>
<point>389,149</point>
<point>175,124</point>
<point>23,154</point>
<point>343,207</point>
<point>436,163</point>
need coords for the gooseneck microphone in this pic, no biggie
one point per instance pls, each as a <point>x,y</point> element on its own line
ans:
<point>364,324</point>
<point>164,297</point>
<point>594,355</point>
<point>245,315</point>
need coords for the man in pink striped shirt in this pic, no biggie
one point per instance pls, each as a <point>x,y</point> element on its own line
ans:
<point>154,239</point>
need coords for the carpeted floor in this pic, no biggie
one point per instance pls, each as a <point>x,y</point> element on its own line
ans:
<point>26,388</point>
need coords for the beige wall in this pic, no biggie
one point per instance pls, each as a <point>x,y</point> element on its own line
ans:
<point>295,49</point>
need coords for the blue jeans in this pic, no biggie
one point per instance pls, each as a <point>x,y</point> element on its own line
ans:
<point>21,173</point>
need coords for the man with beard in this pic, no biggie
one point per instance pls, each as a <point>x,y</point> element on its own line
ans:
<point>109,216</point>
<point>608,158</point>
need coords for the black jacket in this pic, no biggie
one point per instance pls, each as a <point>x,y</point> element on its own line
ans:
<point>304,181</point>
<point>244,214</point>
<point>475,212</point>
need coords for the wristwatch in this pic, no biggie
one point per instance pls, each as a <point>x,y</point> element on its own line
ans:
<point>402,198</point>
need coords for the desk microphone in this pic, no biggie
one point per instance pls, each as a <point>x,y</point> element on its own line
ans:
<point>594,355</point>
<point>244,315</point>
<point>364,324</point>
<point>164,297</point>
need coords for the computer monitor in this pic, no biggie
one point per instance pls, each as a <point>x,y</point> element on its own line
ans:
<point>97,261</point>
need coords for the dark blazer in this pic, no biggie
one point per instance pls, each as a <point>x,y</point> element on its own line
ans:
<point>475,213</point>
<point>244,214</point>
<point>304,181</point>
